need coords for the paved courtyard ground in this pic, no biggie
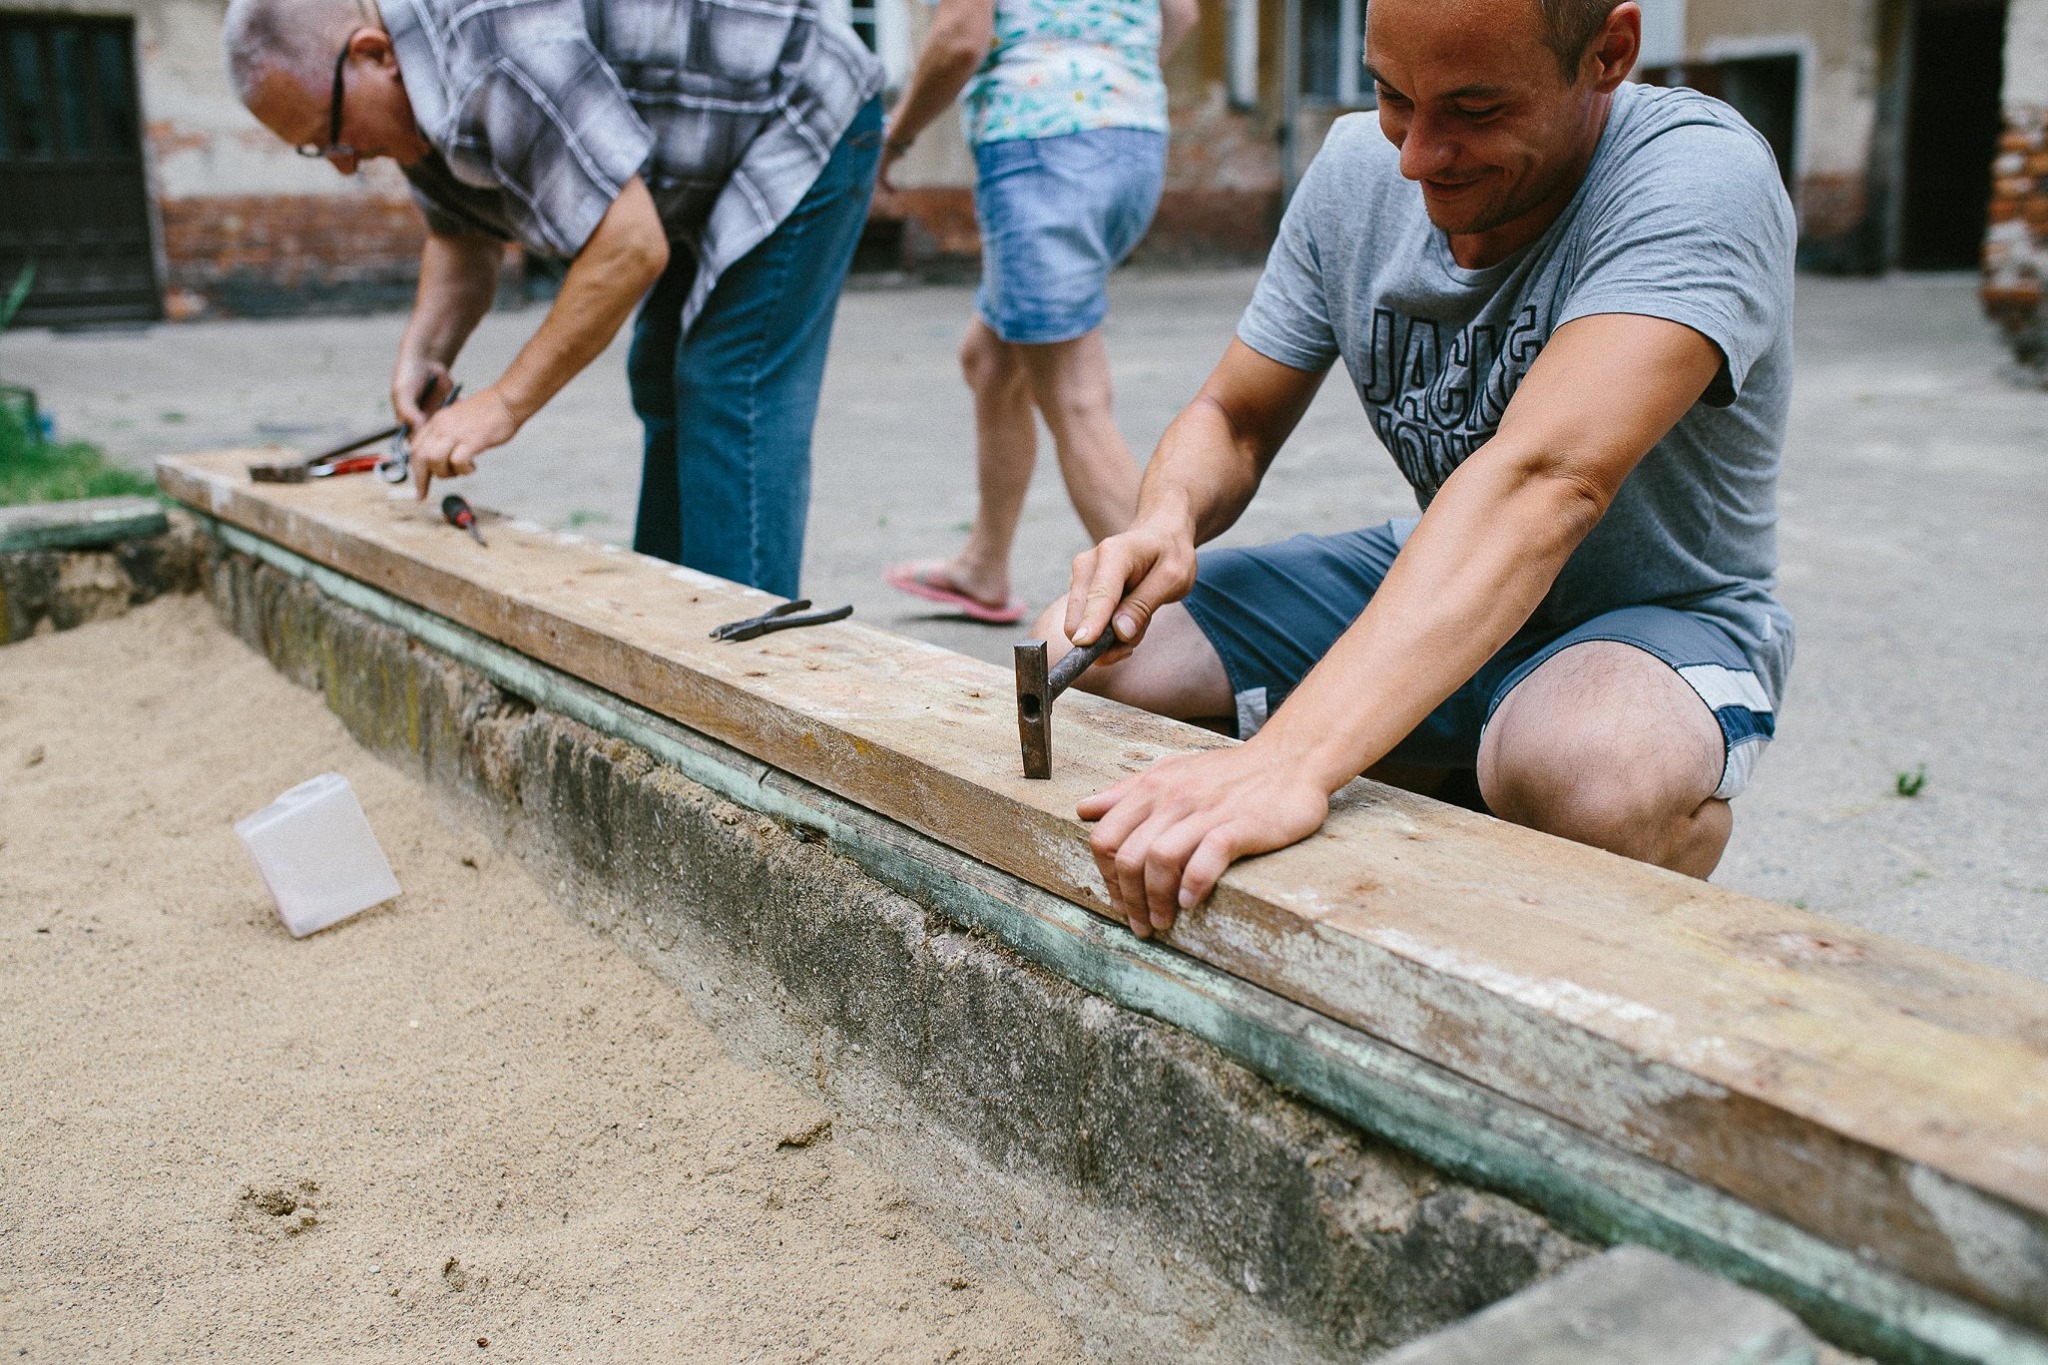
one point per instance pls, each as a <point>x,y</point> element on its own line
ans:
<point>1915,535</point>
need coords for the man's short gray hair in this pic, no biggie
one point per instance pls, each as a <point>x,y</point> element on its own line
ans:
<point>1569,26</point>
<point>295,39</point>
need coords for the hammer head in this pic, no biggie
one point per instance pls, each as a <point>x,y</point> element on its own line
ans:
<point>281,471</point>
<point>1034,709</point>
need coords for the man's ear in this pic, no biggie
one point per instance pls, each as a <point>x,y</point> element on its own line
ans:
<point>1616,47</point>
<point>373,45</point>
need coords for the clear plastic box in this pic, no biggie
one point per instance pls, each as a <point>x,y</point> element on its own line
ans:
<point>317,855</point>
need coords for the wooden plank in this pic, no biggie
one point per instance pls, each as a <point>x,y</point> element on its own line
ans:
<point>1887,1098</point>
<point>83,524</point>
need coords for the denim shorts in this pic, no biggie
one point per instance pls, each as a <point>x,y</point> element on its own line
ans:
<point>1057,214</point>
<point>1273,611</point>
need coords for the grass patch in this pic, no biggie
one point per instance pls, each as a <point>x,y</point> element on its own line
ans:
<point>35,470</point>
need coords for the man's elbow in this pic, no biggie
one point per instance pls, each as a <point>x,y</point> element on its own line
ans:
<point>1569,498</point>
<point>639,256</point>
<point>651,257</point>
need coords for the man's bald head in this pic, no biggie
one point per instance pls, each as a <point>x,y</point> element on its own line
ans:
<point>292,41</point>
<point>1569,27</point>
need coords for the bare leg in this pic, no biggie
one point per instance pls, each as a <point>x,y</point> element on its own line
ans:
<point>1005,448</point>
<point>1070,383</point>
<point>1606,745</point>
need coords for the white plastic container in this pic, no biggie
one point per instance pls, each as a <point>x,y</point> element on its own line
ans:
<point>317,855</point>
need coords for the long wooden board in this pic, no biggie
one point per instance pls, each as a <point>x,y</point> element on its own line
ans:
<point>1888,1098</point>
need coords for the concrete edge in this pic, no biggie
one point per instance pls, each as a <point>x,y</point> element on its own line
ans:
<point>1456,1127</point>
<point>1628,1306</point>
<point>82,524</point>
<point>60,585</point>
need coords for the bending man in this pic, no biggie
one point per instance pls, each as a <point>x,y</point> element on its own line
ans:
<point>718,155</point>
<point>1565,305</point>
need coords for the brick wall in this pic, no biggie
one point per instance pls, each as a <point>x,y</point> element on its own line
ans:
<point>257,254</point>
<point>2016,249</point>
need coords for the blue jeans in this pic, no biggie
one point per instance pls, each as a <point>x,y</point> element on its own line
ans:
<point>728,410</point>
<point>1057,214</point>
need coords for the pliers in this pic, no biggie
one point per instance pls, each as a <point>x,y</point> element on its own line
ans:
<point>781,618</point>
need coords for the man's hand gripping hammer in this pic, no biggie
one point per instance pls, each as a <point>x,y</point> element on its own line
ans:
<point>1037,689</point>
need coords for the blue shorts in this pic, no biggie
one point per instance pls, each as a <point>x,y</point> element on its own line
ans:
<point>1273,611</point>
<point>1057,214</point>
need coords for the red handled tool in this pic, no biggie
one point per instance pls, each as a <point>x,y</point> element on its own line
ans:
<point>462,516</point>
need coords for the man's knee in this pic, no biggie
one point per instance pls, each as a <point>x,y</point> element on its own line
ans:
<point>988,363</point>
<point>1625,764</point>
<point>1578,787</point>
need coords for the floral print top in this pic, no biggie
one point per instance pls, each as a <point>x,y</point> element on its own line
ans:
<point>1066,66</point>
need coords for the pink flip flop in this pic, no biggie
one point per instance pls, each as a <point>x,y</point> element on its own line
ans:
<point>917,579</point>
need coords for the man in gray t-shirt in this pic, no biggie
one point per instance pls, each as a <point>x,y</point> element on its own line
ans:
<point>1565,305</point>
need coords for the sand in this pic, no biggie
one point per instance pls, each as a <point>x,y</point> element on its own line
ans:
<point>453,1120</point>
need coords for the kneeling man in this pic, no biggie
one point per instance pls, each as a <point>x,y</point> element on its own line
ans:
<point>1565,303</point>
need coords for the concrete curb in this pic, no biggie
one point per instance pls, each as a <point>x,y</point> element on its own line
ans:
<point>1630,1306</point>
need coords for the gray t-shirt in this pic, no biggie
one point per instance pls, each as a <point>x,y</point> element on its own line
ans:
<point>1681,216</point>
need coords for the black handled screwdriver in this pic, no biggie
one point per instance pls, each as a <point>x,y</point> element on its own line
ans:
<point>462,516</point>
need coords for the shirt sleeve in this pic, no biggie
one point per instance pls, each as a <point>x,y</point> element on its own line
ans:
<point>1705,237</point>
<point>562,139</point>
<point>1288,319</point>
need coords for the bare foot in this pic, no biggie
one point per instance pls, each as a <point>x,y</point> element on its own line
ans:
<point>942,581</point>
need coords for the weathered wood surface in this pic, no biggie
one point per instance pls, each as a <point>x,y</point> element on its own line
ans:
<point>1891,1099</point>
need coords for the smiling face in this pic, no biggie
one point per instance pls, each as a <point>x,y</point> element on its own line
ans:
<point>376,116</point>
<point>1489,126</point>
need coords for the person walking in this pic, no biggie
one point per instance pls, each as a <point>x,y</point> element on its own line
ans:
<point>1065,110</point>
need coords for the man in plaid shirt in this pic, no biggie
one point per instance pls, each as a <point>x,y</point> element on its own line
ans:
<point>713,157</point>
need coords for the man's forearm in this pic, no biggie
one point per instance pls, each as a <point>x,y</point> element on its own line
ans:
<point>1204,472</point>
<point>458,282</point>
<point>1495,538</point>
<point>607,280</point>
<point>1476,568</point>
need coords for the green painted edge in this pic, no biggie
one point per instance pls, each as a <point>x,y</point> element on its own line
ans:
<point>1453,1124</point>
<point>47,526</point>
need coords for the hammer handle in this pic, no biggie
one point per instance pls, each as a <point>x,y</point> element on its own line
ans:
<point>1076,662</point>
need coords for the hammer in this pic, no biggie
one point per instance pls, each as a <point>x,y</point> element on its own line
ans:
<point>299,471</point>
<point>1037,690</point>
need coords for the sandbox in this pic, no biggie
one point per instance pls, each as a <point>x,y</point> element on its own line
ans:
<point>1384,1079</point>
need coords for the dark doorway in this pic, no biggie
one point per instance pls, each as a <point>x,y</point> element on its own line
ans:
<point>74,201</point>
<point>1952,117</point>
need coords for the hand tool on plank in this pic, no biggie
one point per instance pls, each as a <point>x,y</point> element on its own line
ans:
<point>315,466</point>
<point>1037,689</point>
<point>462,516</point>
<point>784,617</point>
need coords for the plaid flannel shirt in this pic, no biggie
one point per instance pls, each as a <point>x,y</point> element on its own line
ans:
<point>539,111</point>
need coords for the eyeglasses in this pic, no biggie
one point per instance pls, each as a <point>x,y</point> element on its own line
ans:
<point>335,146</point>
